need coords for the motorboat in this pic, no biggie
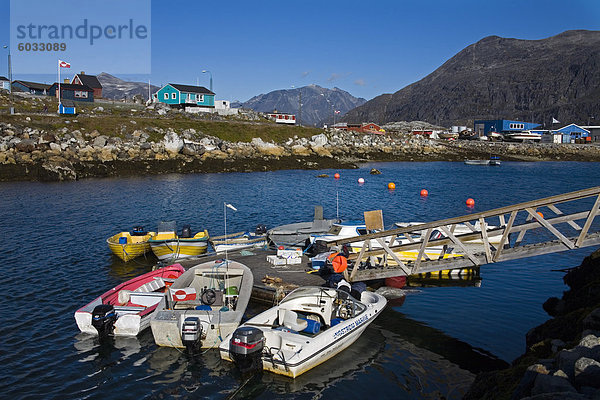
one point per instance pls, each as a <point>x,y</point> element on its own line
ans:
<point>349,229</point>
<point>494,232</point>
<point>494,160</point>
<point>203,305</point>
<point>295,234</point>
<point>309,326</point>
<point>129,245</point>
<point>523,136</point>
<point>125,310</point>
<point>448,135</point>
<point>167,245</point>
<point>240,240</point>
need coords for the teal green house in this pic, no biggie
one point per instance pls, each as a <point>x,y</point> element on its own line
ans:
<point>185,96</point>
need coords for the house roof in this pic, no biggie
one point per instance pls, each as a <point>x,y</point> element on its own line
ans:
<point>69,86</point>
<point>572,125</point>
<point>191,89</point>
<point>3,78</point>
<point>90,80</point>
<point>34,85</point>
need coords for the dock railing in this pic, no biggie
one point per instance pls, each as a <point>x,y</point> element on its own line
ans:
<point>480,245</point>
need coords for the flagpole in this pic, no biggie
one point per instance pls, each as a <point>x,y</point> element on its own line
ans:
<point>59,86</point>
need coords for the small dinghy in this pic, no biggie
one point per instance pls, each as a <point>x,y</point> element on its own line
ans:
<point>125,309</point>
<point>168,246</point>
<point>240,240</point>
<point>129,245</point>
<point>203,306</point>
<point>308,327</point>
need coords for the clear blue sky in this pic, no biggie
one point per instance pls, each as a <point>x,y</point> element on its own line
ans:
<point>365,47</point>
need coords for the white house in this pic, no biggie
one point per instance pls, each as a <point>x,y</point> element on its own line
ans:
<point>4,83</point>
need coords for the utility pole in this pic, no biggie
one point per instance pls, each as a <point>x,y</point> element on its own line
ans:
<point>299,107</point>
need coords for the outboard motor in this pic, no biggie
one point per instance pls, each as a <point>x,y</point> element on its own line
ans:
<point>186,231</point>
<point>260,230</point>
<point>103,319</point>
<point>245,349</point>
<point>191,332</point>
<point>138,231</point>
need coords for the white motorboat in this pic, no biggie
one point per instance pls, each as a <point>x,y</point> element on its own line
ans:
<point>348,229</point>
<point>308,327</point>
<point>296,234</point>
<point>203,305</point>
<point>522,136</point>
<point>125,310</point>
<point>239,241</point>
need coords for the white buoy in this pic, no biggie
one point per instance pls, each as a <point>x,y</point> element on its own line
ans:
<point>361,180</point>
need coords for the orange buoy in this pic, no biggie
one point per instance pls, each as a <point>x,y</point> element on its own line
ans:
<point>540,214</point>
<point>339,262</point>
<point>424,193</point>
<point>391,186</point>
<point>470,202</point>
<point>336,176</point>
<point>361,180</point>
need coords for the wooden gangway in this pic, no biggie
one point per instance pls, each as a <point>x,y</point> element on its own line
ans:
<point>522,230</point>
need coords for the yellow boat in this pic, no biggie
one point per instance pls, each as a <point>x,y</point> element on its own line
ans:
<point>168,246</point>
<point>128,246</point>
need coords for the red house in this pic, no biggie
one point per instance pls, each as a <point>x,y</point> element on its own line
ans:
<point>90,81</point>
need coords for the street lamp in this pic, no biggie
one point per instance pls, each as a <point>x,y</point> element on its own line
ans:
<point>205,71</point>
<point>12,109</point>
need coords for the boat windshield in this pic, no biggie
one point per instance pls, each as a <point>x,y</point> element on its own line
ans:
<point>335,229</point>
<point>310,291</point>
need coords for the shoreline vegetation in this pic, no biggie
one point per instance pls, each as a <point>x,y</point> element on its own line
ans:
<point>111,139</point>
<point>562,357</point>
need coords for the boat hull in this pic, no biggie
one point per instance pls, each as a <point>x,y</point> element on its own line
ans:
<point>178,248</point>
<point>131,319</point>
<point>219,320</point>
<point>306,352</point>
<point>136,245</point>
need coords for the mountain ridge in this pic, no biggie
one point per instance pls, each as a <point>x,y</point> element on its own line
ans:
<point>556,77</point>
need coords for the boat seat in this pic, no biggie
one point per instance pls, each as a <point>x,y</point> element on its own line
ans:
<point>290,320</point>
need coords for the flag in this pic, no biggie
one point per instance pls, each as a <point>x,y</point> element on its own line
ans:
<point>230,206</point>
<point>183,294</point>
<point>555,121</point>
<point>64,64</point>
<point>337,111</point>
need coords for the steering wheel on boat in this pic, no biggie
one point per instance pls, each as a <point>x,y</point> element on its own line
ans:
<point>208,297</point>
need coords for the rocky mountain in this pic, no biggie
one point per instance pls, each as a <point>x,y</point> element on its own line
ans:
<point>115,88</point>
<point>530,80</point>
<point>318,104</point>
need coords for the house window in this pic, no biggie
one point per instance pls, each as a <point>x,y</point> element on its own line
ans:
<point>166,96</point>
<point>81,94</point>
<point>200,97</point>
<point>174,96</point>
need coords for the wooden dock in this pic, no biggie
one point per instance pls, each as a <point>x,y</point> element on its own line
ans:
<point>550,230</point>
<point>271,282</point>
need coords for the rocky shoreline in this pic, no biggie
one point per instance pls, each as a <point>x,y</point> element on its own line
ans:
<point>28,153</point>
<point>562,360</point>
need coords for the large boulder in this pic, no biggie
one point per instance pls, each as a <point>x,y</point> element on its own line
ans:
<point>173,143</point>
<point>587,372</point>
<point>25,146</point>
<point>269,149</point>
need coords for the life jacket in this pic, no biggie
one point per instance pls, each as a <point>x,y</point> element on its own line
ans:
<point>339,262</point>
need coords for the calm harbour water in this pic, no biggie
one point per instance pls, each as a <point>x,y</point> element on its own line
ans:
<point>430,345</point>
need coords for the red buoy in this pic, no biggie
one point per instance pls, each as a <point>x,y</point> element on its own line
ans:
<point>424,193</point>
<point>336,176</point>
<point>540,214</point>
<point>470,202</point>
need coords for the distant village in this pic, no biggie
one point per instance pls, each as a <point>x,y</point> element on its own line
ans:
<point>84,88</point>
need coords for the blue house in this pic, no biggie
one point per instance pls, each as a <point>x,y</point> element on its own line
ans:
<point>4,83</point>
<point>67,107</point>
<point>31,87</point>
<point>73,92</point>
<point>484,127</point>
<point>185,96</point>
<point>572,132</point>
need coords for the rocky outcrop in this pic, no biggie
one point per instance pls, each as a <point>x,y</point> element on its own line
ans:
<point>563,354</point>
<point>27,153</point>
